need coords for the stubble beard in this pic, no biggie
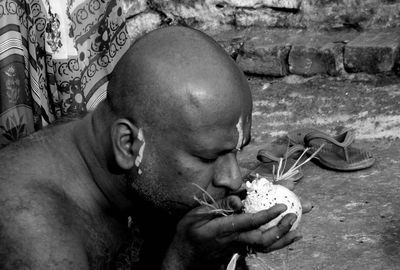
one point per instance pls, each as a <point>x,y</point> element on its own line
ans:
<point>149,197</point>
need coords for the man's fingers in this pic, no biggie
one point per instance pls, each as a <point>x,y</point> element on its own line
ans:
<point>262,240</point>
<point>231,202</point>
<point>287,239</point>
<point>248,221</point>
<point>306,206</point>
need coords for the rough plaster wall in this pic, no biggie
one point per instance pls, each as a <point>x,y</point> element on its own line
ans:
<point>140,18</point>
<point>363,14</point>
<point>310,14</point>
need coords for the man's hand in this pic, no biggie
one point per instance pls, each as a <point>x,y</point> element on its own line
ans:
<point>205,240</point>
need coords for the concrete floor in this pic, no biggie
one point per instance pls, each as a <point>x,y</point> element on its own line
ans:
<point>355,222</point>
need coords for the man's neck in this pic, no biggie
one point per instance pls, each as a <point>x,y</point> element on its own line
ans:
<point>92,135</point>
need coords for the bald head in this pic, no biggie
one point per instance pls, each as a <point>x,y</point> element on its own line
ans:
<point>177,75</point>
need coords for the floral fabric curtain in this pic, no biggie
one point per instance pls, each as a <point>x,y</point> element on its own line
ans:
<point>54,60</point>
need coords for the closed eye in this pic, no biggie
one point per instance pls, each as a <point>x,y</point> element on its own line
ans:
<point>207,160</point>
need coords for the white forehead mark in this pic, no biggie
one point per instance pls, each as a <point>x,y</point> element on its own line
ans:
<point>139,157</point>
<point>239,127</point>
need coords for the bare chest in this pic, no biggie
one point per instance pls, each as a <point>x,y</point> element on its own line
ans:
<point>111,245</point>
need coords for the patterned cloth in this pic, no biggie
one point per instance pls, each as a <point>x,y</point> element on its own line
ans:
<point>54,59</point>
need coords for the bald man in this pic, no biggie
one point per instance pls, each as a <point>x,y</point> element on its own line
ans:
<point>177,112</point>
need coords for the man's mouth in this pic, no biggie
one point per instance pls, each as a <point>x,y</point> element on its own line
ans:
<point>241,192</point>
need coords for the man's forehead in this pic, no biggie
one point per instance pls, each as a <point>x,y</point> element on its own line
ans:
<point>214,107</point>
<point>209,108</point>
<point>220,137</point>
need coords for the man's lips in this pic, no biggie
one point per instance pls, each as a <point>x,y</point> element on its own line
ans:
<point>241,192</point>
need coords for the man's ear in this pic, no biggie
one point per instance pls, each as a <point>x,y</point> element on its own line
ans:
<point>124,136</point>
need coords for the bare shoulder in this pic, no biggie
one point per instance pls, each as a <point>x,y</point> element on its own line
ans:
<point>41,226</point>
<point>37,231</point>
<point>35,154</point>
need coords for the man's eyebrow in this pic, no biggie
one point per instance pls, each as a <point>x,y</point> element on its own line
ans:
<point>224,151</point>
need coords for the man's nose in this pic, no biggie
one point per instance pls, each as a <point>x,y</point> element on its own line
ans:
<point>227,172</point>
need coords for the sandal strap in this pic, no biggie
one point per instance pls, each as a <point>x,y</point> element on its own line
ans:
<point>342,140</point>
<point>302,132</point>
<point>266,156</point>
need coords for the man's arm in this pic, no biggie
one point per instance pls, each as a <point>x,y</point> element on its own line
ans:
<point>36,233</point>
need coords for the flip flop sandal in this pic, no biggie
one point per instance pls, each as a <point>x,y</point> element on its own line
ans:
<point>337,153</point>
<point>297,136</point>
<point>289,156</point>
<point>293,152</point>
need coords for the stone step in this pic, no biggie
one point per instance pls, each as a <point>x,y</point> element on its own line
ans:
<point>369,104</point>
<point>373,52</point>
<point>279,52</point>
